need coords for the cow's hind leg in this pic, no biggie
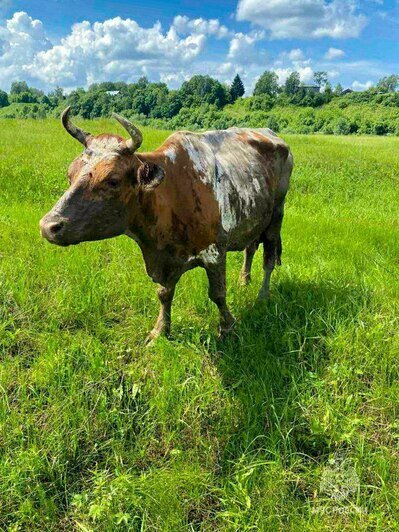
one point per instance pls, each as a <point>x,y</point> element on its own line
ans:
<point>249,252</point>
<point>272,249</point>
<point>217,292</point>
<point>162,326</point>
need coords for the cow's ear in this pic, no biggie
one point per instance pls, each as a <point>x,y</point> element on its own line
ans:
<point>150,175</point>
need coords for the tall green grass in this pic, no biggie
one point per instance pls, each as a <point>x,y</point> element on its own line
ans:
<point>98,432</point>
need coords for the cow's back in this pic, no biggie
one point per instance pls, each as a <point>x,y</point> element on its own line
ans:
<point>245,172</point>
<point>244,168</point>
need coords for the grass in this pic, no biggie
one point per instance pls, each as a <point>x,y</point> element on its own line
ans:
<point>98,432</point>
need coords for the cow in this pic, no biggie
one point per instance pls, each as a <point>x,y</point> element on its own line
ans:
<point>186,204</point>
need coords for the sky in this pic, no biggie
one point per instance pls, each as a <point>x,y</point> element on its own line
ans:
<point>73,43</point>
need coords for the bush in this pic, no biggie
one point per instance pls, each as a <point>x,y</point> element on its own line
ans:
<point>341,126</point>
<point>273,124</point>
<point>381,128</point>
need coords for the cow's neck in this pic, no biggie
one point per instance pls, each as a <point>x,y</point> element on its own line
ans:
<point>150,211</point>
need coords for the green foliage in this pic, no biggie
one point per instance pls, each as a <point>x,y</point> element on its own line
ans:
<point>237,89</point>
<point>267,84</point>
<point>100,433</point>
<point>338,89</point>
<point>341,126</point>
<point>261,103</point>
<point>203,89</point>
<point>292,84</point>
<point>203,102</point>
<point>388,83</point>
<point>3,99</point>
<point>320,78</point>
<point>21,93</point>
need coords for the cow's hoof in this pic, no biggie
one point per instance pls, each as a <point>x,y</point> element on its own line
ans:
<point>150,340</point>
<point>154,335</point>
<point>263,295</point>
<point>245,278</point>
<point>227,327</point>
<point>262,300</point>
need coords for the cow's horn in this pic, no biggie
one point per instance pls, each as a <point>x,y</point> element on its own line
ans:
<point>76,132</point>
<point>136,136</point>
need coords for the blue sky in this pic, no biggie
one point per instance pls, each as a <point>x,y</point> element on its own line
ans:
<point>73,43</point>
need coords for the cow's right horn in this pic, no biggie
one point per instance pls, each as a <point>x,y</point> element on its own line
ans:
<point>134,132</point>
<point>76,132</point>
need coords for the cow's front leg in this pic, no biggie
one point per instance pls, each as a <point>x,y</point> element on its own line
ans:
<point>217,292</point>
<point>162,326</point>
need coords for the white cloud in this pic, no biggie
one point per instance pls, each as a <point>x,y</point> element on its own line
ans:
<point>184,25</point>
<point>287,19</point>
<point>242,48</point>
<point>121,49</point>
<point>305,73</point>
<point>333,53</point>
<point>358,86</point>
<point>296,55</point>
<point>114,49</point>
<point>20,40</point>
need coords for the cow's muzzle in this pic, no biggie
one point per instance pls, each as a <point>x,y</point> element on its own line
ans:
<point>52,228</point>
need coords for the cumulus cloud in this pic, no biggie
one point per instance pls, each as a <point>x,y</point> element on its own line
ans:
<point>184,25</point>
<point>114,49</point>
<point>121,49</point>
<point>20,40</point>
<point>333,53</point>
<point>305,73</point>
<point>243,48</point>
<point>296,55</point>
<point>359,86</point>
<point>287,19</point>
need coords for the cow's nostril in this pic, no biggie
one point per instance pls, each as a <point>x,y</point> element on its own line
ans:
<point>56,227</point>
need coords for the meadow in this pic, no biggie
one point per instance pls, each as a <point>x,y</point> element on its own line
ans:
<point>291,423</point>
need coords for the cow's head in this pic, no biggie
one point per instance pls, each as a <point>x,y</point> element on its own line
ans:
<point>103,180</point>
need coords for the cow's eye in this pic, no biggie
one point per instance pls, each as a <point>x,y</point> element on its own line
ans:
<point>113,182</point>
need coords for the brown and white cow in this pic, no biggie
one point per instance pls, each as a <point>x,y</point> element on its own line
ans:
<point>186,204</point>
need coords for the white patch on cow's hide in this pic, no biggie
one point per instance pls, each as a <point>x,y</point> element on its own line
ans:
<point>236,173</point>
<point>198,156</point>
<point>257,185</point>
<point>210,255</point>
<point>170,153</point>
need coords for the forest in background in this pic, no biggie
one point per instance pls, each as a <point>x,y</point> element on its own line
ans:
<point>205,103</point>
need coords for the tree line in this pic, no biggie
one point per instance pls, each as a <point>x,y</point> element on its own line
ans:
<point>201,101</point>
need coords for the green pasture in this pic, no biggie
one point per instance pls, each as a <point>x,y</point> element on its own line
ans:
<point>291,423</point>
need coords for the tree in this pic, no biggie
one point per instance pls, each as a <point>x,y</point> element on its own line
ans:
<point>338,89</point>
<point>292,84</point>
<point>320,78</point>
<point>328,92</point>
<point>18,87</point>
<point>203,89</point>
<point>237,88</point>
<point>388,83</point>
<point>267,84</point>
<point>143,82</point>
<point>3,99</point>
<point>56,96</point>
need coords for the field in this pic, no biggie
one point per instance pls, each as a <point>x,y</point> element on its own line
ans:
<point>289,424</point>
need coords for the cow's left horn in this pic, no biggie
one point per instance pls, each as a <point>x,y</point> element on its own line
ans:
<point>76,132</point>
<point>136,136</point>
